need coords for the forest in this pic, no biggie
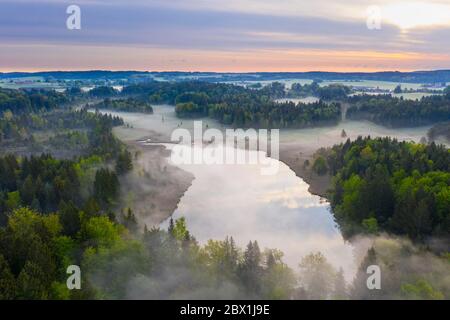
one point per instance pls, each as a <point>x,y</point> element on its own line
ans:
<point>62,209</point>
<point>63,132</point>
<point>238,106</point>
<point>127,105</point>
<point>26,101</point>
<point>59,212</point>
<point>170,264</point>
<point>385,185</point>
<point>255,106</point>
<point>53,210</point>
<point>397,112</point>
<point>330,92</point>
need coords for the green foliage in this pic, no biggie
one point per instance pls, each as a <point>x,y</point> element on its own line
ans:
<point>53,212</point>
<point>330,92</point>
<point>124,162</point>
<point>12,201</point>
<point>198,98</point>
<point>106,186</point>
<point>180,231</point>
<point>127,105</point>
<point>399,112</point>
<point>7,281</point>
<point>421,290</point>
<point>250,270</point>
<point>317,275</point>
<point>103,91</point>
<point>62,132</point>
<point>27,101</point>
<point>320,166</point>
<point>39,182</point>
<point>383,184</point>
<point>370,225</point>
<point>28,248</point>
<point>189,109</point>
<point>100,232</point>
<point>236,105</point>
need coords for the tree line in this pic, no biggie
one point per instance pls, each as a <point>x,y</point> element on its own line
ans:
<point>255,106</point>
<point>398,112</point>
<point>385,185</point>
<point>127,105</point>
<point>236,105</point>
<point>64,132</point>
<point>58,212</point>
<point>26,101</point>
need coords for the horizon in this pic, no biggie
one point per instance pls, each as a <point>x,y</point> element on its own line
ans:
<point>243,36</point>
<point>218,72</point>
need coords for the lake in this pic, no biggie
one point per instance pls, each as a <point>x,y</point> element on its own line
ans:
<point>276,210</point>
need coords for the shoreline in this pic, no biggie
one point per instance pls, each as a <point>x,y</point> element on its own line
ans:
<point>294,156</point>
<point>155,187</point>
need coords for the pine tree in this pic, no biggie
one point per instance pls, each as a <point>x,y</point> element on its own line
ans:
<point>124,162</point>
<point>359,290</point>
<point>31,283</point>
<point>70,218</point>
<point>7,281</point>
<point>106,186</point>
<point>340,288</point>
<point>171,228</point>
<point>130,221</point>
<point>250,269</point>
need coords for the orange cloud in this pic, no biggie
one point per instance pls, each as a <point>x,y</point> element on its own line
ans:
<point>70,57</point>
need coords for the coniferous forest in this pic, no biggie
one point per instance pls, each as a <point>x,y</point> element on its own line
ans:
<point>224,159</point>
<point>61,173</point>
<point>383,184</point>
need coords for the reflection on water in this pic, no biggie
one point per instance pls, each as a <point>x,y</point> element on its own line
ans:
<point>277,211</point>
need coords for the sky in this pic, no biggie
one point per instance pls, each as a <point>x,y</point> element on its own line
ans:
<point>226,36</point>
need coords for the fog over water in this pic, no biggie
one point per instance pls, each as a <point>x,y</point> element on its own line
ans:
<point>276,210</point>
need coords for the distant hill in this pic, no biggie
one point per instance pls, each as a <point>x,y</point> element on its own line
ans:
<point>436,76</point>
<point>74,75</point>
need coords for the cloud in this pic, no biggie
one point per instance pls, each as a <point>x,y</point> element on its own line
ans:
<point>188,28</point>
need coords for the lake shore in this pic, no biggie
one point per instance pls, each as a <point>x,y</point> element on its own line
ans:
<point>162,190</point>
<point>294,156</point>
<point>154,188</point>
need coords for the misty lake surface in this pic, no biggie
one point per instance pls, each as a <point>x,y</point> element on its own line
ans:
<point>276,210</point>
<point>298,100</point>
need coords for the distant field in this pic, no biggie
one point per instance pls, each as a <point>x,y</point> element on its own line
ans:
<point>383,85</point>
<point>30,82</point>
